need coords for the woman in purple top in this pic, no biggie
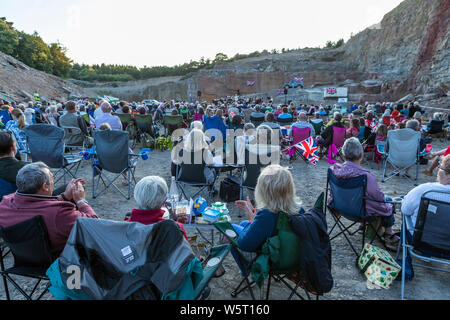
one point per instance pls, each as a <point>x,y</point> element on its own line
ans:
<point>353,154</point>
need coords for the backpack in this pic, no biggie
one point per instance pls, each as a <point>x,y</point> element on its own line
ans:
<point>147,141</point>
<point>229,189</point>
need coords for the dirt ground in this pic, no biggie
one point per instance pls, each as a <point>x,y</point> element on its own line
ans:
<point>349,284</point>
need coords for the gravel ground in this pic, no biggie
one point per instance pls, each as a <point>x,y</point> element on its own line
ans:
<point>349,284</point>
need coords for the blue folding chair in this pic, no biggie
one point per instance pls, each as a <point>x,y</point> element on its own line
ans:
<point>430,241</point>
<point>349,202</point>
<point>113,154</point>
<point>46,143</point>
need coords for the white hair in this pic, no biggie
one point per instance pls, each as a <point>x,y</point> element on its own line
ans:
<point>437,115</point>
<point>195,141</point>
<point>151,192</point>
<point>197,125</point>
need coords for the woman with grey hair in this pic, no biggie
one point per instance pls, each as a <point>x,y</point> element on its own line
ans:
<point>150,194</point>
<point>376,206</point>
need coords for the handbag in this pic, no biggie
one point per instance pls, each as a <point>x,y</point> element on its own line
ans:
<point>378,266</point>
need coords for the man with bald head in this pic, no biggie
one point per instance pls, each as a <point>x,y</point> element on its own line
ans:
<point>108,118</point>
<point>303,123</point>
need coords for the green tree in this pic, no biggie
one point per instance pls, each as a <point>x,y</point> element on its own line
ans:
<point>9,39</point>
<point>340,43</point>
<point>220,57</point>
<point>61,63</point>
<point>329,44</point>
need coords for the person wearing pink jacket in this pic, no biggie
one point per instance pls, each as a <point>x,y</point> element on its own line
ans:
<point>34,197</point>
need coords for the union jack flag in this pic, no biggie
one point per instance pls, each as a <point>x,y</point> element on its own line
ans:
<point>251,83</point>
<point>309,150</point>
<point>298,79</point>
<point>280,91</point>
<point>371,124</point>
<point>331,91</point>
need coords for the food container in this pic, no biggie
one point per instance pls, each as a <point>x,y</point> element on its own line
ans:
<point>211,215</point>
<point>221,207</point>
<point>183,212</point>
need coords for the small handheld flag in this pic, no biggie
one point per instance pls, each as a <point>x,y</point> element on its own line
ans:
<point>309,150</point>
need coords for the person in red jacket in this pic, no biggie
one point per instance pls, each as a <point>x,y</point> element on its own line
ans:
<point>150,194</point>
<point>34,197</point>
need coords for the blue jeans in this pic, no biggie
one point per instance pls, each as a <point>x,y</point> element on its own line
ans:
<point>241,264</point>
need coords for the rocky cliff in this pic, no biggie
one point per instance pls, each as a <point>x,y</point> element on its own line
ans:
<point>406,53</point>
<point>20,82</point>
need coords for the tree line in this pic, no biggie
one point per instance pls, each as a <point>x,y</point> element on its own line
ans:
<point>52,58</point>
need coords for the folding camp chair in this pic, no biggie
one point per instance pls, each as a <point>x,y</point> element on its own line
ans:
<point>318,126</point>
<point>349,202</point>
<point>6,188</point>
<point>336,143</point>
<point>254,163</point>
<point>125,119</point>
<point>288,251</point>
<point>172,122</point>
<point>30,247</point>
<point>144,124</point>
<point>402,152</point>
<point>430,241</point>
<point>191,173</point>
<point>298,135</point>
<point>132,261</point>
<point>436,130</point>
<point>113,154</point>
<point>71,131</point>
<point>257,120</point>
<point>285,121</point>
<point>45,143</point>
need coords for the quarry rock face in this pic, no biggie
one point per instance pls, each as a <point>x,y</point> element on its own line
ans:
<point>406,54</point>
<point>19,82</point>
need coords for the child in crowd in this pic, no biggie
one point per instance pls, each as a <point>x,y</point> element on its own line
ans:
<point>380,139</point>
<point>353,131</point>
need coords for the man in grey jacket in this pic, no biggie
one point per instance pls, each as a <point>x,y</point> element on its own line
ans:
<point>70,119</point>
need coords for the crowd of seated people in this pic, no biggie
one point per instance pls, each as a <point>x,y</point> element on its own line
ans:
<point>275,189</point>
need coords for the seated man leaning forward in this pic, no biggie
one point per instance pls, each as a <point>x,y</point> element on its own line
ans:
<point>353,154</point>
<point>34,197</point>
<point>411,203</point>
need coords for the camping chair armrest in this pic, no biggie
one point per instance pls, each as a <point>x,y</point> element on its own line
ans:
<point>379,201</point>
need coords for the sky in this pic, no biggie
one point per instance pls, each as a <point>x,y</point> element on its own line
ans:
<point>170,32</point>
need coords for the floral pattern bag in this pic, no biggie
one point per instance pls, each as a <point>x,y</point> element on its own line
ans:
<point>378,266</point>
